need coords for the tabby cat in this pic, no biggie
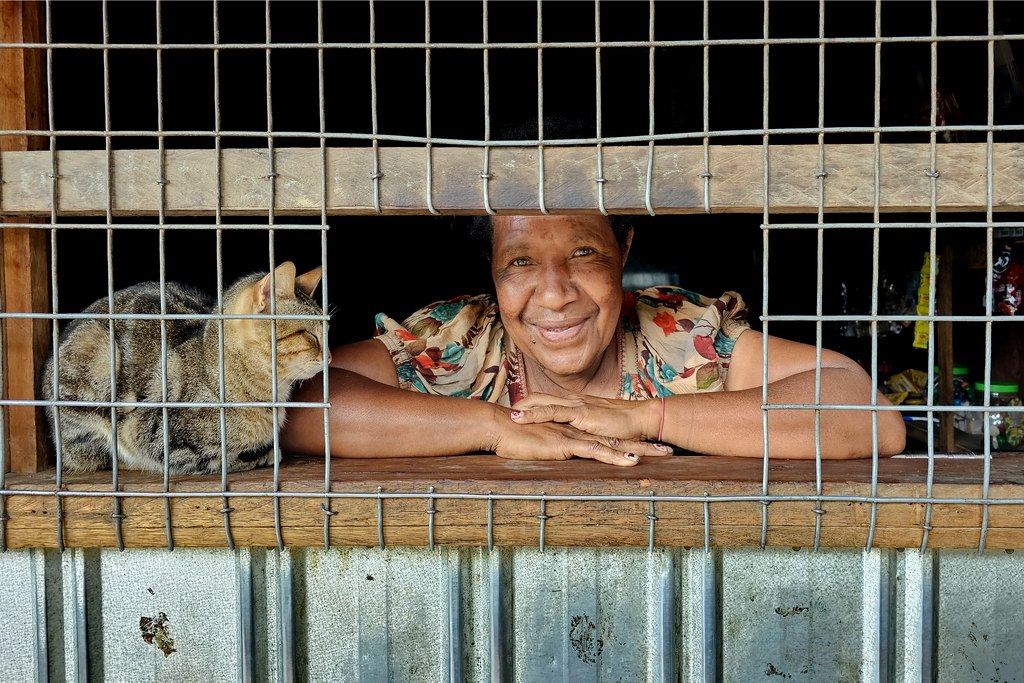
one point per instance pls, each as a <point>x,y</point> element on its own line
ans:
<point>193,375</point>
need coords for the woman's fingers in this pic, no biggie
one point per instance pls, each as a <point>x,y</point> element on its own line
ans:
<point>615,451</point>
<point>558,441</point>
<point>612,457</point>
<point>599,417</point>
<point>619,452</point>
<point>538,400</point>
<point>588,413</point>
<point>544,413</point>
<point>590,431</point>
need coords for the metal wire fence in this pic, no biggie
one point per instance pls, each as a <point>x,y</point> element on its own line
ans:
<point>74,148</point>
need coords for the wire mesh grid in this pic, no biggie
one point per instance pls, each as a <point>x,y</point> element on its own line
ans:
<point>372,45</point>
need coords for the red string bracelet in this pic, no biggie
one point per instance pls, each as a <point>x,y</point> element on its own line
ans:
<point>661,424</point>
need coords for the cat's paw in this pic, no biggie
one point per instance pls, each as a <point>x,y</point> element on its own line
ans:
<point>250,459</point>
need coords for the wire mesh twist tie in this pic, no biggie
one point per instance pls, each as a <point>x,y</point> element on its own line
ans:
<point>486,176</point>
<point>932,174</point>
<point>818,511</point>
<point>600,180</point>
<point>821,174</point>
<point>326,510</point>
<point>706,174</point>
<point>226,510</point>
<point>376,176</point>
<point>118,515</point>
<point>926,526</point>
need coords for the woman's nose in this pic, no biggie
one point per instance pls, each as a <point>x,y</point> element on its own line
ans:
<point>556,287</point>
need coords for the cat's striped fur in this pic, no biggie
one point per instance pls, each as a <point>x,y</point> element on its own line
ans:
<point>192,366</point>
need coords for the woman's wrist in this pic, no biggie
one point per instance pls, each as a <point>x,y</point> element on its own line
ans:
<point>661,418</point>
<point>651,417</point>
<point>492,425</point>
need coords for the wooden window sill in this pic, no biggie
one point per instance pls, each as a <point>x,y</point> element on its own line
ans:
<point>361,520</point>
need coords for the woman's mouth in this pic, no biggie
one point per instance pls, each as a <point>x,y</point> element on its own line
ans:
<point>560,332</point>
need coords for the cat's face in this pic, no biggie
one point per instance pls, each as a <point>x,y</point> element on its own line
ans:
<point>300,346</point>
<point>299,343</point>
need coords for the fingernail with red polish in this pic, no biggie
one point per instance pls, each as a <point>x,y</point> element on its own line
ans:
<point>632,456</point>
<point>517,413</point>
<point>663,447</point>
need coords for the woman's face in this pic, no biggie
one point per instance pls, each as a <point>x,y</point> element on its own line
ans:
<point>559,286</point>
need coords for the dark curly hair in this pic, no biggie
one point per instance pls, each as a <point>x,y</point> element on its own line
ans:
<point>480,230</point>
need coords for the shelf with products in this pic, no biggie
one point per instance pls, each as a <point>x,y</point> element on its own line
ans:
<point>969,356</point>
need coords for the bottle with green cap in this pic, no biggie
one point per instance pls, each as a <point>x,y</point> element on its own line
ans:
<point>963,394</point>
<point>963,388</point>
<point>1006,428</point>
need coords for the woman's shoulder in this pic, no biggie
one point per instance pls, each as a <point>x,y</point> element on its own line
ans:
<point>453,348</point>
<point>464,310</point>
<point>680,298</point>
<point>672,305</point>
<point>684,339</point>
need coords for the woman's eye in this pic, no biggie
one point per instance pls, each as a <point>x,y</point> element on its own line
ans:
<point>520,262</point>
<point>584,251</point>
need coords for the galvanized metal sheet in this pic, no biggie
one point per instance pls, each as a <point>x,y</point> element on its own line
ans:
<point>511,614</point>
<point>792,615</point>
<point>584,614</point>
<point>22,650</point>
<point>981,600</point>
<point>372,615</point>
<point>159,615</point>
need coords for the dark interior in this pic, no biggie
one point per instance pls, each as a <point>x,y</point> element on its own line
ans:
<point>398,263</point>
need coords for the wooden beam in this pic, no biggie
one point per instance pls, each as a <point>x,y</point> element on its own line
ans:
<point>25,274</point>
<point>569,172</point>
<point>198,521</point>
<point>944,353</point>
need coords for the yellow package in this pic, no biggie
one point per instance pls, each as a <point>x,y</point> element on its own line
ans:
<point>897,398</point>
<point>909,381</point>
<point>924,298</point>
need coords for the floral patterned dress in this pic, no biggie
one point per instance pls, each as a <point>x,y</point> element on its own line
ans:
<point>671,341</point>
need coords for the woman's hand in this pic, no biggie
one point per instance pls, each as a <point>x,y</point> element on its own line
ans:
<point>634,421</point>
<point>536,437</point>
<point>732,422</point>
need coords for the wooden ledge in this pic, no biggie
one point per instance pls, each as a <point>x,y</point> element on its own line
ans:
<point>195,182</point>
<point>405,498</point>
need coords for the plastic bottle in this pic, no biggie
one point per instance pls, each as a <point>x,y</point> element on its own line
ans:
<point>963,394</point>
<point>1006,429</point>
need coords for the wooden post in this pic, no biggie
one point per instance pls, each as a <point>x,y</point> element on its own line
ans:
<point>25,266</point>
<point>944,346</point>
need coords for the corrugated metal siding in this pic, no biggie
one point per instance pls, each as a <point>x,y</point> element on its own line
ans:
<point>359,614</point>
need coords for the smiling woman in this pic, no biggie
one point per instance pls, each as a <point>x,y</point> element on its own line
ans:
<point>558,287</point>
<point>561,361</point>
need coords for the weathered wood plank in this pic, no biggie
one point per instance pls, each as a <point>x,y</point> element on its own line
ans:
<point>192,175</point>
<point>944,344</point>
<point>198,521</point>
<point>25,270</point>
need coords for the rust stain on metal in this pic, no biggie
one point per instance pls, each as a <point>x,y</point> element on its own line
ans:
<point>790,611</point>
<point>582,638</point>
<point>155,631</point>
<point>770,670</point>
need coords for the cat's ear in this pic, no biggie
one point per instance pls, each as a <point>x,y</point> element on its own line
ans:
<point>307,282</point>
<point>284,283</point>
